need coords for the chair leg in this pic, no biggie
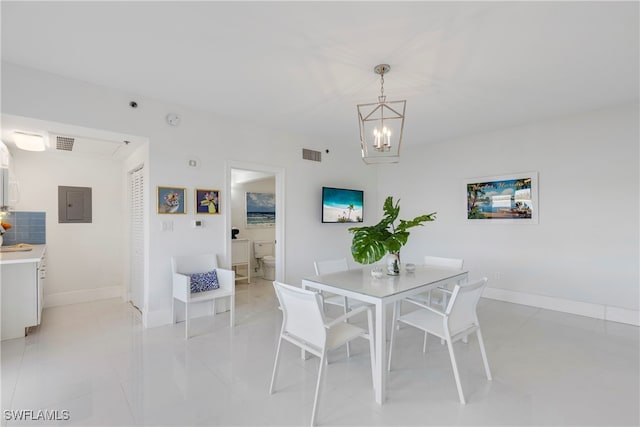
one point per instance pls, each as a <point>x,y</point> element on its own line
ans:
<point>424,344</point>
<point>275,367</point>
<point>397,309</point>
<point>318,387</point>
<point>346,310</point>
<point>173,310</point>
<point>484,355</point>
<point>232,311</point>
<point>393,333</point>
<point>186,321</point>
<point>454,365</point>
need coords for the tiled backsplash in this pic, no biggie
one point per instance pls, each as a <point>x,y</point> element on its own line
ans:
<point>26,227</point>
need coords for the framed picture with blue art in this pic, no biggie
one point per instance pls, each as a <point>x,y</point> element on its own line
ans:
<point>260,209</point>
<point>171,200</point>
<point>207,201</point>
<point>503,199</point>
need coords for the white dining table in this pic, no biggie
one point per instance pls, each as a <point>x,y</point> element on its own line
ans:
<point>358,284</point>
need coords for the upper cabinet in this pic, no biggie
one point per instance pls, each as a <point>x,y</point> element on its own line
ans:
<point>9,189</point>
<point>5,156</point>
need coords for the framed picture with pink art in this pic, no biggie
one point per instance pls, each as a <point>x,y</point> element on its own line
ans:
<point>207,201</point>
<point>171,200</point>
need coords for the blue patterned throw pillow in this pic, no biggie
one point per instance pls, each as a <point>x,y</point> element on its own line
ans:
<point>201,282</point>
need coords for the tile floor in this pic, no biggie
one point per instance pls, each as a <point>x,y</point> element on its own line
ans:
<point>95,361</point>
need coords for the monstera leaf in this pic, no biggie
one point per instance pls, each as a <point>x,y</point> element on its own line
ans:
<point>371,244</point>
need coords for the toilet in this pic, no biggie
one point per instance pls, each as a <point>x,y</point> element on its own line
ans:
<point>264,251</point>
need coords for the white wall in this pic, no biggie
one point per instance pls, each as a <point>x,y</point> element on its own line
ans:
<point>578,253</point>
<point>212,140</point>
<point>84,260</point>
<point>582,256</point>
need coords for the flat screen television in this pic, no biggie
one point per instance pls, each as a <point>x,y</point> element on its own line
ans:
<point>342,205</point>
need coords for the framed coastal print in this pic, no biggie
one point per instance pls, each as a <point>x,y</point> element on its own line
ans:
<point>260,210</point>
<point>207,201</point>
<point>171,200</point>
<point>503,199</point>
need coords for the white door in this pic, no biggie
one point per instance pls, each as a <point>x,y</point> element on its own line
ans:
<point>136,237</point>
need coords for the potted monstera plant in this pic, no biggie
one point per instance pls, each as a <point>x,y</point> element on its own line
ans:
<point>371,244</point>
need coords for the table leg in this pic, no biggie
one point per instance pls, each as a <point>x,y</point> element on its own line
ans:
<point>381,352</point>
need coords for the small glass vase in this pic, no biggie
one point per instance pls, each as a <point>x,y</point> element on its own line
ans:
<point>393,263</point>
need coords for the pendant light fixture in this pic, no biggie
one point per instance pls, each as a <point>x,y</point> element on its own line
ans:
<point>381,125</point>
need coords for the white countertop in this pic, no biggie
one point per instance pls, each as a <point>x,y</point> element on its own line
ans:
<point>34,255</point>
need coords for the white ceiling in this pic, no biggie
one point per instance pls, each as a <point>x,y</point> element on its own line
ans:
<point>463,67</point>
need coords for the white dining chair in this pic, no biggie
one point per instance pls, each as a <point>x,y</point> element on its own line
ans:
<point>441,262</point>
<point>333,266</point>
<point>426,298</point>
<point>457,321</point>
<point>186,269</point>
<point>304,325</point>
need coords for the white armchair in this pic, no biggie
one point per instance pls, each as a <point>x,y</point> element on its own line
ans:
<point>182,267</point>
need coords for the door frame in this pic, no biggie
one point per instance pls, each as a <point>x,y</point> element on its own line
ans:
<point>279,174</point>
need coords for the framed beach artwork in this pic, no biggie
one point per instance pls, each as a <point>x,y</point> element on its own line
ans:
<point>171,200</point>
<point>503,199</point>
<point>342,205</point>
<point>207,201</point>
<point>260,210</point>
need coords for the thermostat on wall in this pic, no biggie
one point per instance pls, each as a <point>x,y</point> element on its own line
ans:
<point>197,223</point>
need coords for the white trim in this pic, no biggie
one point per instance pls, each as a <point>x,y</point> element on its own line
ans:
<point>153,319</point>
<point>598,311</point>
<point>85,295</point>
<point>622,315</point>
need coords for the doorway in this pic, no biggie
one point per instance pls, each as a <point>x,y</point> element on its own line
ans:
<point>243,178</point>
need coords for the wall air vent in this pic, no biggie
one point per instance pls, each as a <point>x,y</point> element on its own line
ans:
<point>64,143</point>
<point>307,154</point>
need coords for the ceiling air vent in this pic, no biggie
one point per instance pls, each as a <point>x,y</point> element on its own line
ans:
<point>64,143</point>
<point>307,154</point>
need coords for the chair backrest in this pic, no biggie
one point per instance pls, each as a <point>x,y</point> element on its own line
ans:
<point>453,263</point>
<point>303,318</point>
<point>331,266</point>
<point>190,264</point>
<point>461,310</point>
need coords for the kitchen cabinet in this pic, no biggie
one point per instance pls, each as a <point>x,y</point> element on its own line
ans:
<point>22,281</point>
<point>240,258</point>
<point>9,189</point>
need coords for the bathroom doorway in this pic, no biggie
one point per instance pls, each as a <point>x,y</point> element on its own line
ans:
<point>255,211</point>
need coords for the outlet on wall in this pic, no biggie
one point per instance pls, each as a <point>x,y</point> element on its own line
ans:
<point>496,276</point>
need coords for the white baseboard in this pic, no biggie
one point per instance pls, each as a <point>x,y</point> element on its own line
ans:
<point>598,311</point>
<point>163,317</point>
<point>153,319</point>
<point>85,295</point>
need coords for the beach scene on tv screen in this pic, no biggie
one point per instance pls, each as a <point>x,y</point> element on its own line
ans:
<point>340,205</point>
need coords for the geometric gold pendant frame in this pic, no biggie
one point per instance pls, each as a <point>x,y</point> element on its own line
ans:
<point>381,126</point>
